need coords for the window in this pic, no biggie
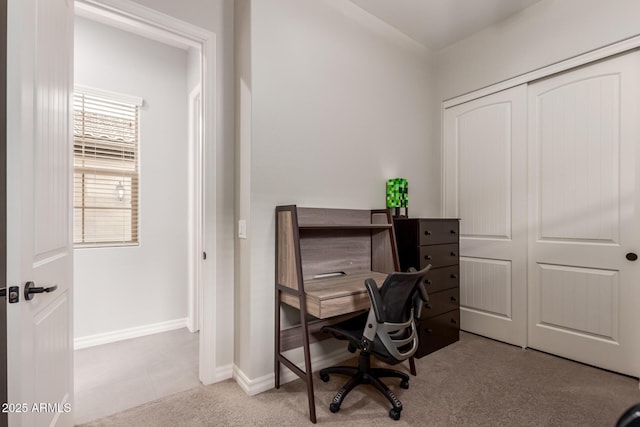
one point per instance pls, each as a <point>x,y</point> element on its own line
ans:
<point>106,169</point>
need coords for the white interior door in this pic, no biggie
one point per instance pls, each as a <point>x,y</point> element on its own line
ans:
<point>40,81</point>
<point>485,177</point>
<point>583,153</point>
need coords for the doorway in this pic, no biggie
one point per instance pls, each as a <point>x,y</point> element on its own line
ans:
<point>152,285</point>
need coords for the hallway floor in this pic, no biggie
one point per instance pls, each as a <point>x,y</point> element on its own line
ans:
<point>113,377</point>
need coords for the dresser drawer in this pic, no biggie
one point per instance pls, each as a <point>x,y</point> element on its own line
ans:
<point>439,279</point>
<point>438,255</point>
<point>438,332</point>
<point>438,232</point>
<point>441,302</point>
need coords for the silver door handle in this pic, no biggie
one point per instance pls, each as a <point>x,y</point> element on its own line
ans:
<point>30,288</point>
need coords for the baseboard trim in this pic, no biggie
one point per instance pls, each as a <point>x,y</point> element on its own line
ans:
<point>250,387</point>
<point>255,386</point>
<point>224,373</point>
<point>125,334</point>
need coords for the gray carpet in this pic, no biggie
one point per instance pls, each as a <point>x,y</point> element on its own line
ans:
<point>475,382</point>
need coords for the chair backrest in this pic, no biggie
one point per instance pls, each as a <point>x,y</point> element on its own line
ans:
<point>398,294</point>
<point>393,309</point>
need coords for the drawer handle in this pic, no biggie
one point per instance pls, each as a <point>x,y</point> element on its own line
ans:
<point>453,254</point>
<point>453,232</point>
<point>454,276</point>
<point>427,232</point>
<point>429,330</point>
<point>427,257</point>
<point>427,282</point>
<point>453,321</point>
<point>453,299</point>
<point>428,306</point>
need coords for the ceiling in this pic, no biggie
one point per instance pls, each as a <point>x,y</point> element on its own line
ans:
<point>440,23</point>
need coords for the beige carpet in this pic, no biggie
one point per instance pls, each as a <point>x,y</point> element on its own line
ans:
<point>475,382</point>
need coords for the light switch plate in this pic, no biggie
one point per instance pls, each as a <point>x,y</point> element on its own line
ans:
<point>242,228</point>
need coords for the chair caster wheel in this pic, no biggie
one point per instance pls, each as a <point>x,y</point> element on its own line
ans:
<point>404,384</point>
<point>334,407</point>
<point>324,377</point>
<point>394,414</point>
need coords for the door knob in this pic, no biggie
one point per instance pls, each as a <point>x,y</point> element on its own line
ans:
<point>30,289</point>
<point>631,256</point>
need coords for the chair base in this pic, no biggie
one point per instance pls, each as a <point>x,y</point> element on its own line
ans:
<point>365,374</point>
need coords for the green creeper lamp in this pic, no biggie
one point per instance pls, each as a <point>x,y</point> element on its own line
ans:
<point>398,196</point>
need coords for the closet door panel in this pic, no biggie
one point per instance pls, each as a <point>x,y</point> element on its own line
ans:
<point>485,174</point>
<point>584,193</point>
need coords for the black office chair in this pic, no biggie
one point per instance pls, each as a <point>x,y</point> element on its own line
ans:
<point>630,418</point>
<point>387,331</point>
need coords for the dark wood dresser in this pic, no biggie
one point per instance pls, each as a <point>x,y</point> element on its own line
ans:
<point>423,241</point>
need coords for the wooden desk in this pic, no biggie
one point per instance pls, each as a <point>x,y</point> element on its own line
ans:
<point>311,242</point>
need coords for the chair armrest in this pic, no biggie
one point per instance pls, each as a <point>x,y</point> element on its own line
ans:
<point>419,299</point>
<point>375,297</point>
<point>421,289</point>
<point>422,292</point>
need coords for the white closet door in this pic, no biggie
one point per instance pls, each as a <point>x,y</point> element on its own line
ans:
<point>484,185</point>
<point>585,219</point>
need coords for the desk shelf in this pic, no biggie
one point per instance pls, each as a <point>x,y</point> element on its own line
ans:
<point>348,245</point>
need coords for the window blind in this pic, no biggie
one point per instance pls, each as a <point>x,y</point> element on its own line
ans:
<point>106,171</point>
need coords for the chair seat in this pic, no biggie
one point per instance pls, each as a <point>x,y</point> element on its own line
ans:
<point>352,330</point>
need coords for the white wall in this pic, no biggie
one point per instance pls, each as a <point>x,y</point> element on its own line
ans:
<point>339,104</point>
<point>242,43</point>
<point>118,288</point>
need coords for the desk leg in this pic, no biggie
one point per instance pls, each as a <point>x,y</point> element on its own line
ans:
<point>412,365</point>
<point>307,362</point>
<point>277,341</point>
<point>307,374</point>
